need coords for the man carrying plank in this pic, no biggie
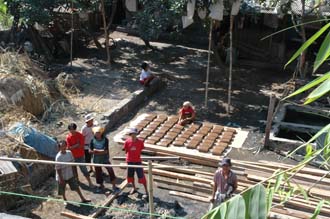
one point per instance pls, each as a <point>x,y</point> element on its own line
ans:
<point>133,147</point>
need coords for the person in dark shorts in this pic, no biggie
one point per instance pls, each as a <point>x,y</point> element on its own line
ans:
<point>87,132</point>
<point>133,147</point>
<point>99,148</point>
<point>64,173</point>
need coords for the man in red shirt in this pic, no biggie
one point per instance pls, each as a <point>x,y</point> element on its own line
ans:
<point>133,147</point>
<point>75,143</point>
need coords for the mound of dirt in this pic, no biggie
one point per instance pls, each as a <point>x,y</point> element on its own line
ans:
<point>19,88</point>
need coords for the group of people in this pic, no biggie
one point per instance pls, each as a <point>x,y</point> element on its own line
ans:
<point>92,146</point>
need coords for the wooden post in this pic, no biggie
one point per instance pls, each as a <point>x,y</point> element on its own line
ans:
<point>269,120</point>
<point>105,32</point>
<point>150,189</point>
<point>208,65</point>
<point>72,29</point>
<point>230,62</point>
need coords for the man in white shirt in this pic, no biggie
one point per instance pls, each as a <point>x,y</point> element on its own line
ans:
<point>87,132</point>
<point>145,77</point>
<point>64,173</point>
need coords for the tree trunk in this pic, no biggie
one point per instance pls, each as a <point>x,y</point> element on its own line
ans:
<point>302,63</point>
<point>113,13</point>
<point>106,33</point>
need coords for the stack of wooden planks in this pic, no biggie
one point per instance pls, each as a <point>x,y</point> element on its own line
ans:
<point>196,184</point>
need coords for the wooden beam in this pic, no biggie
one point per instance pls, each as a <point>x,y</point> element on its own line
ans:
<point>109,200</point>
<point>189,196</point>
<point>271,107</point>
<point>148,158</point>
<point>183,170</point>
<point>179,176</point>
<point>183,185</point>
<point>74,215</point>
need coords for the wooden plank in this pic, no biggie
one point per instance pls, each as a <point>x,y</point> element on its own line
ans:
<point>109,200</point>
<point>271,107</point>
<point>190,196</point>
<point>148,158</point>
<point>179,176</point>
<point>183,170</point>
<point>74,215</point>
<point>314,191</point>
<point>183,185</point>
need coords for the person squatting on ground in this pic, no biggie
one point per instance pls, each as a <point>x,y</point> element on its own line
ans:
<point>64,173</point>
<point>87,132</point>
<point>133,147</point>
<point>225,183</point>
<point>186,114</point>
<point>75,143</point>
<point>146,77</point>
<point>99,148</point>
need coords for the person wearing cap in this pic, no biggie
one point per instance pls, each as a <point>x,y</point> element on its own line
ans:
<point>146,77</point>
<point>64,173</point>
<point>99,148</point>
<point>186,114</point>
<point>75,142</point>
<point>133,148</point>
<point>87,132</point>
<point>225,183</point>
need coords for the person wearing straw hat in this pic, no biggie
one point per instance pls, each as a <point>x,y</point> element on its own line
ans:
<point>99,148</point>
<point>225,183</point>
<point>133,148</point>
<point>64,173</point>
<point>186,114</point>
<point>87,132</point>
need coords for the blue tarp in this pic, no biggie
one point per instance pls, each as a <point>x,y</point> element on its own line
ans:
<point>44,144</point>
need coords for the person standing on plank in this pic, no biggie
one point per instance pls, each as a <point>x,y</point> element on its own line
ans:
<point>186,114</point>
<point>146,77</point>
<point>87,132</point>
<point>133,147</point>
<point>75,143</point>
<point>64,173</point>
<point>225,183</point>
<point>99,148</point>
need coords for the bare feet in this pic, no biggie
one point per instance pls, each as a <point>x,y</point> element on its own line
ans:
<point>133,190</point>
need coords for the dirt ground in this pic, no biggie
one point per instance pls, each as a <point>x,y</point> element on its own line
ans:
<point>184,70</point>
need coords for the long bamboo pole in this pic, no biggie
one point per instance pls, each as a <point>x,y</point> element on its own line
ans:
<point>208,64</point>
<point>106,34</point>
<point>230,63</point>
<point>72,29</point>
<point>151,190</point>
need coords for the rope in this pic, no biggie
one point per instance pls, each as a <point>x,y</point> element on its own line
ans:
<point>86,204</point>
<point>89,164</point>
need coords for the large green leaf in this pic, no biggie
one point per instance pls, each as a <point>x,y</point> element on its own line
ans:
<point>217,213</point>
<point>323,53</point>
<point>270,195</point>
<point>311,84</point>
<point>258,203</point>
<point>317,209</point>
<point>308,43</point>
<point>318,134</point>
<point>236,208</point>
<point>278,182</point>
<point>220,213</point>
<point>319,91</point>
<point>246,197</point>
